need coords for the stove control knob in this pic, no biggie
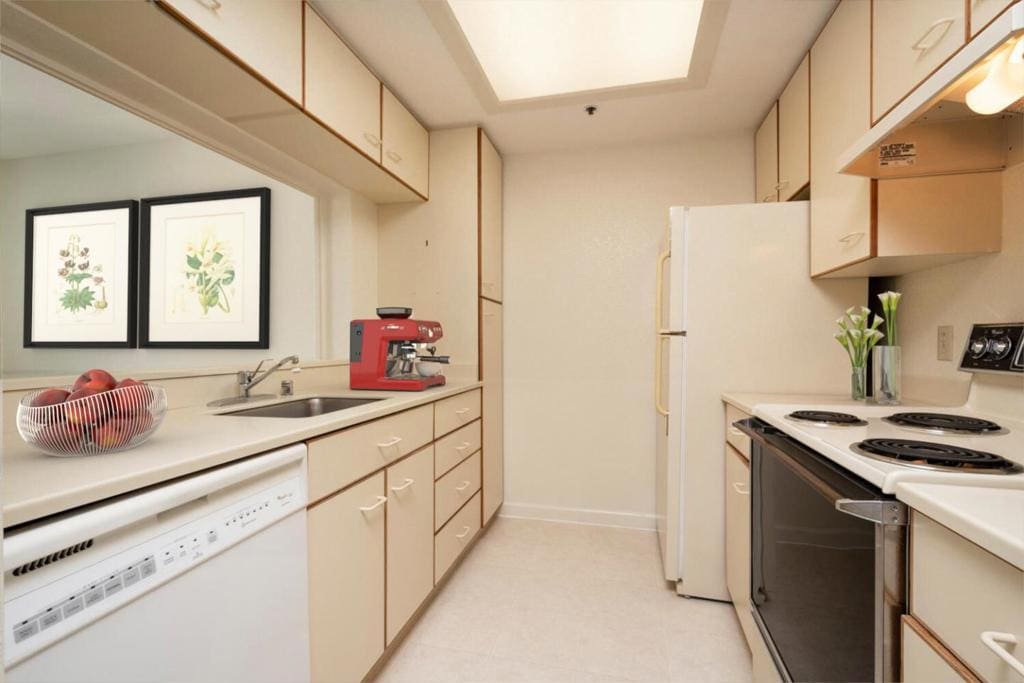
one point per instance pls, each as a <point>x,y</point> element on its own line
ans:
<point>999,349</point>
<point>978,348</point>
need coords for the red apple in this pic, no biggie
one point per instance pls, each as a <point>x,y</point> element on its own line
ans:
<point>111,434</point>
<point>98,380</point>
<point>50,397</point>
<point>60,436</point>
<point>85,412</point>
<point>137,424</point>
<point>133,400</point>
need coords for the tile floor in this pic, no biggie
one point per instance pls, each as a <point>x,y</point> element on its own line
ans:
<point>542,602</point>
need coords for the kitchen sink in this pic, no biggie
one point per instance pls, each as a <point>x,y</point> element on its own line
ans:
<point>306,407</point>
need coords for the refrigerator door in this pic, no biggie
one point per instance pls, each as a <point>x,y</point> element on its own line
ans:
<point>674,299</point>
<point>669,392</point>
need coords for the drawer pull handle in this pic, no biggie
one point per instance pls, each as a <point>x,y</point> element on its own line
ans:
<point>735,432</point>
<point>463,446</point>
<point>462,487</point>
<point>394,156</point>
<point>769,197</point>
<point>922,45</point>
<point>370,508</point>
<point>781,184</point>
<point>372,139</point>
<point>851,237</point>
<point>212,5</point>
<point>740,488</point>
<point>390,442</point>
<point>465,532</point>
<point>994,641</point>
<point>404,485</point>
<point>462,411</point>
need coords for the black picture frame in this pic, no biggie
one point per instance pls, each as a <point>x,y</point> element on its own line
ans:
<point>131,336</point>
<point>145,234</point>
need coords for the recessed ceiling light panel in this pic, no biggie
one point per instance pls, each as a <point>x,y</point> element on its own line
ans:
<point>540,48</point>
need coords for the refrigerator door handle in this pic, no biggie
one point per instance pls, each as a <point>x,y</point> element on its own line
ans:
<point>662,410</point>
<point>664,256</point>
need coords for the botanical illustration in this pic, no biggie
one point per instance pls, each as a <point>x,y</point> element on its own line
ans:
<point>210,270</point>
<point>82,287</point>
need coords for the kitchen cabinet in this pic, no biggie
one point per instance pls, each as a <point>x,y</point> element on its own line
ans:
<point>264,35</point>
<point>456,447</point>
<point>454,489</point>
<point>493,406</point>
<point>347,581</point>
<point>766,157</point>
<point>406,143</point>
<point>981,12</point>
<point>795,133</point>
<point>909,40</point>
<point>490,218</point>
<point>737,528</point>
<point>410,537</point>
<point>341,91</point>
<point>926,660</point>
<point>455,412</point>
<point>455,536</point>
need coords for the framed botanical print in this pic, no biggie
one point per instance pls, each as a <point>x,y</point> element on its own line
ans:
<point>204,263</point>
<point>80,273</point>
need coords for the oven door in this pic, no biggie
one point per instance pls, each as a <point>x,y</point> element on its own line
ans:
<point>828,556</point>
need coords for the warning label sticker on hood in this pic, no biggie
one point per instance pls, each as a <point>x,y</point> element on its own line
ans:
<point>897,154</point>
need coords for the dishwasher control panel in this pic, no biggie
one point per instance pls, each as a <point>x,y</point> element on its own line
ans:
<point>96,584</point>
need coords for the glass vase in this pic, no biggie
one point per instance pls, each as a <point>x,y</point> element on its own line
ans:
<point>886,373</point>
<point>858,383</point>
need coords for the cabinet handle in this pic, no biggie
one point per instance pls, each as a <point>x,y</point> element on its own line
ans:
<point>851,237</point>
<point>372,139</point>
<point>463,446</point>
<point>769,197</point>
<point>994,641</point>
<point>781,184</point>
<point>404,485</point>
<point>462,487</point>
<point>740,489</point>
<point>736,432</point>
<point>390,442</point>
<point>465,532</point>
<point>370,508</point>
<point>922,45</point>
<point>212,5</point>
<point>394,156</point>
<point>461,411</point>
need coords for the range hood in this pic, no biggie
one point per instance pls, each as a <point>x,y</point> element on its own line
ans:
<point>933,132</point>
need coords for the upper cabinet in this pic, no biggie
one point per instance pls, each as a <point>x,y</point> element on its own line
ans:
<point>406,144</point>
<point>490,174</point>
<point>910,39</point>
<point>794,134</point>
<point>981,12</point>
<point>766,158</point>
<point>340,91</point>
<point>265,35</point>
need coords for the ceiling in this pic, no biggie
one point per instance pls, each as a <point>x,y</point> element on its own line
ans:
<point>761,44</point>
<point>41,115</point>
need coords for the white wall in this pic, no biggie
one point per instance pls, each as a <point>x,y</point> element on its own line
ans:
<point>987,289</point>
<point>581,235</point>
<point>177,167</point>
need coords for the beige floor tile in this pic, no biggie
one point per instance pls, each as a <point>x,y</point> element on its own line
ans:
<point>416,663</point>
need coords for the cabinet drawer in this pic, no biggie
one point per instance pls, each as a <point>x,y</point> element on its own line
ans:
<point>338,459</point>
<point>738,440</point>
<point>941,559</point>
<point>406,143</point>
<point>456,447</point>
<point>455,537</point>
<point>454,412</point>
<point>266,35</point>
<point>455,488</point>
<point>910,39</point>
<point>926,660</point>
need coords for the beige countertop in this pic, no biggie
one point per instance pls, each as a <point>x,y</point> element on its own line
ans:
<point>35,485</point>
<point>746,401</point>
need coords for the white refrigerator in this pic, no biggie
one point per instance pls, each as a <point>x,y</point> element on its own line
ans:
<point>737,311</point>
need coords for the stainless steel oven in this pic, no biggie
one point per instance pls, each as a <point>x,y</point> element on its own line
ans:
<point>828,564</point>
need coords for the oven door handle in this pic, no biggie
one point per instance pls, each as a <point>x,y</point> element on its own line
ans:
<point>830,494</point>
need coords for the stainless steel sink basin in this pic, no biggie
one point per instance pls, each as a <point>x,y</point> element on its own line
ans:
<point>306,407</point>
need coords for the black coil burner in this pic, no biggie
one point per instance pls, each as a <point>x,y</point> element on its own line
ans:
<point>944,423</point>
<point>826,418</point>
<point>936,456</point>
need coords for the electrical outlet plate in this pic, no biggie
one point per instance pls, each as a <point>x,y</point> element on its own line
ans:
<point>945,343</point>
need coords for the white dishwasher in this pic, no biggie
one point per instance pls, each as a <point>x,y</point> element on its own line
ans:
<point>200,579</point>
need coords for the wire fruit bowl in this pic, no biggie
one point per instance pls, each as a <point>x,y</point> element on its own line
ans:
<point>106,422</point>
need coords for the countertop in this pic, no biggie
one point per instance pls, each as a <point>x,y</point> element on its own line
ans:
<point>746,401</point>
<point>991,518</point>
<point>35,485</point>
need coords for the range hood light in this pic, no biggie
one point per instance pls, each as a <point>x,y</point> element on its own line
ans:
<point>1003,85</point>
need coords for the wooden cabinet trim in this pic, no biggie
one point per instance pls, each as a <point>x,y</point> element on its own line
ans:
<point>937,646</point>
<point>314,503</point>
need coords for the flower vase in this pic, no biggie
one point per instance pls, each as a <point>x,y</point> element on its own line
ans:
<point>858,383</point>
<point>886,363</point>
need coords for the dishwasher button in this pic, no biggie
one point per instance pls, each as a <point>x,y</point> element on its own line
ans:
<point>93,595</point>
<point>50,617</point>
<point>131,576</point>
<point>73,606</point>
<point>25,630</point>
<point>113,586</point>
<point>211,536</point>
<point>147,568</point>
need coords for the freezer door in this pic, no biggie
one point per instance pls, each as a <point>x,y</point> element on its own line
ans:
<point>675,280</point>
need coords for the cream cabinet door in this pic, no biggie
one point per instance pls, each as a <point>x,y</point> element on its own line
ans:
<point>410,570</point>
<point>493,452</point>
<point>926,660</point>
<point>346,582</point>
<point>340,91</point>
<point>909,40</point>
<point>737,528</point>
<point>406,143</point>
<point>265,35</point>
<point>490,219</point>
<point>841,213</point>
<point>984,11</point>
<point>766,157</point>
<point>795,133</point>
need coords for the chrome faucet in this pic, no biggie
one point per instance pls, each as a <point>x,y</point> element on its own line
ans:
<point>247,380</point>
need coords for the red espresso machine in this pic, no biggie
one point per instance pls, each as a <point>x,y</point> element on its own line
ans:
<point>385,354</point>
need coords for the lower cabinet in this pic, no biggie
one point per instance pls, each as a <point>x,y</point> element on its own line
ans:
<point>410,534</point>
<point>737,528</point>
<point>493,431</point>
<point>926,660</point>
<point>455,536</point>
<point>346,582</point>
